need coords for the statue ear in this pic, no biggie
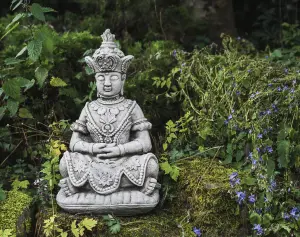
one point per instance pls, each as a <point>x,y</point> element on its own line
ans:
<point>125,63</point>
<point>90,62</point>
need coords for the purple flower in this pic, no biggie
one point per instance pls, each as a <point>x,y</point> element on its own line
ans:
<point>294,82</point>
<point>259,136</point>
<point>279,88</point>
<point>251,155</point>
<point>252,96</point>
<point>272,185</point>
<point>252,198</point>
<point>270,84</point>
<point>285,88</point>
<point>241,196</point>
<point>286,71</point>
<point>268,112</point>
<point>269,149</point>
<point>174,53</point>
<point>286,216</point>
<point>258,229</point>
<point>262,113</point>
<point>266,199</point>
<point>197,232</point>
<point>253,161</point>
<point>233,175</point>
<point>238,93</point>
<point>258,149</point>
<point>267,56</point>
<point>233,179</point>
<point>295,213</point>
<point>226,122</point>
<point>239,38</point>
<point>249,70</point>
<point>258,211</point>
<point>292,90</point>
<point>229,117</point>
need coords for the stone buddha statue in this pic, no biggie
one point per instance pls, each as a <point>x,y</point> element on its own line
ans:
<point>109,168</point>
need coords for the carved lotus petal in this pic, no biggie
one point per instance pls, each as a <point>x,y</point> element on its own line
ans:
<point>114,111</point>
<point>101,110</point>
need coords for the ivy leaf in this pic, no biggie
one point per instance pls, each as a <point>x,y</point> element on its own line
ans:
<point>89,223</point>
<point>12,89</point>
<point>255,218</point>
<point>21,52</point>
<point>37,11</point>
<point>24,113</point>
<point>64,234</point>
<point>267,218</point>
<point>175,172</point>
<point>20,184</point>
<point>34,49</point>
<point>57,82</point>
<point>250,181</point>
<point>115,228</point>
<point>41,75</point>
<point>172,170</point>
<point>283,150</point>
<point>12,106</point>
<point>74,229</point>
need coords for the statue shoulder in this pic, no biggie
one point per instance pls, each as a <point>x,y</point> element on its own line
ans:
<point>80,124</point>
<point>139,122</point>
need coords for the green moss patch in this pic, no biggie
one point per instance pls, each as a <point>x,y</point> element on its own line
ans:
<point>14,213</point>
<point>203,192</point>
<point>201,200</point>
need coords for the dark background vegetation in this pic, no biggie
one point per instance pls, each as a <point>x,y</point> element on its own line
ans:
<point>189,22</point>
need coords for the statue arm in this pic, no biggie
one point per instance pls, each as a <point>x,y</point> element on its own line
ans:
<point>80,140</point>
<point>140,143</point>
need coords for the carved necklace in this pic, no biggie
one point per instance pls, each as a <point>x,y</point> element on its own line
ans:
<point>110,101</point>
<point>108,116</point>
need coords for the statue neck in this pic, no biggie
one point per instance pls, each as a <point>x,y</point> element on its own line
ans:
<point>110,100</point>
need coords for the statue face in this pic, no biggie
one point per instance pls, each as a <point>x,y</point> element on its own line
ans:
<point>109,84</point>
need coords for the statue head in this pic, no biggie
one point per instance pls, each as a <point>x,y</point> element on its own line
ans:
<point>110,66</point>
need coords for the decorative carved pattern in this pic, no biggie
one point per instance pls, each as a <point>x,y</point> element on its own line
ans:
<point>109,57</point>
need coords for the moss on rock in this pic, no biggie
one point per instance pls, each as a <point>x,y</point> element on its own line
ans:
<point>201,200</point>
<point>203,190</point>
<point>14,213</point>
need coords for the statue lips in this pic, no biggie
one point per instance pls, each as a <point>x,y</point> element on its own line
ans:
<point>107,88</point>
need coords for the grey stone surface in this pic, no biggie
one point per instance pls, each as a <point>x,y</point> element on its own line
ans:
<point>109,168</point>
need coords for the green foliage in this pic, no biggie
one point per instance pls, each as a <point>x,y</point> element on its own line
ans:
<point>113,224</point>
<point>12,211</point>
<point>6,233</point>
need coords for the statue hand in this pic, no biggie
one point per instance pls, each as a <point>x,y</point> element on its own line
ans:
<point>109,152</point>
<point>98,147</point>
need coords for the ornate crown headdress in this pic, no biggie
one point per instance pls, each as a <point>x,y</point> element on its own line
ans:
<point>109,57</point>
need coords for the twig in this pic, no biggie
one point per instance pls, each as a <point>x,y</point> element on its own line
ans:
<point>11,153</point>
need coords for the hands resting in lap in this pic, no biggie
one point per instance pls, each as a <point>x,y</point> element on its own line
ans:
<point>103,150</point>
